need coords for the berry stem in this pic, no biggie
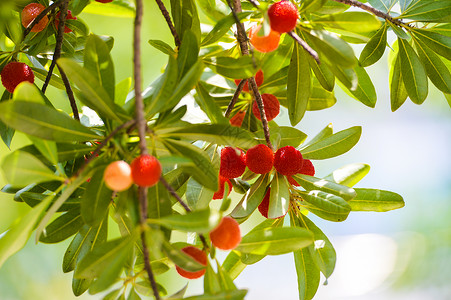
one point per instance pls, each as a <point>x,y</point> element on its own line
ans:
<point>237,93</point>
<point>142,127</point>
<point>167,17</point>
<point>374,11</point>
<point>304,45</point>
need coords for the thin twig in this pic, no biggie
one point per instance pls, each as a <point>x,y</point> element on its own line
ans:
<point>142,126</point>
<point>59,43</point>
<point>40,16</point>
<point>372,10</point>
<point>304,45</point>
<point>237,93</point>
<point>167,17</point>
<point>70,93</point>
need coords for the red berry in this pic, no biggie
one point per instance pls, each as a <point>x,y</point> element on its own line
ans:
<point>307,168</point>
<point>68,17</point>
<point>237,119</point>
<point>258,80</point>
<point>30,12</point>
<point>219,194</point>
<point>283,16</point>
<point>264,205</point>
<point>227,234</point>
<point>15,73</point>
<point>260,159</point>
<point>104,1</point>
<point>233,162</point>
<point>146,170</point>
<point>292,181</point>
<point>271,104</point>
<point>118,176</point>
<point>266,43</point>
<point>198,255</point>
<point>288,161</point>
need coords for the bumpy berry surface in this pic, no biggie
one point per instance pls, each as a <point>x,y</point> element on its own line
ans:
<point>118,176</point>
<point>288,161</point>
<point>30,12</point>
<point>198,255</point>
<point>68,17</point>
<point>227,234</point>
<point>283,16</point>
<point>219,194</point>
<point>260,159</point>
<point>233,162</point>
<point>146,170</point>
<point>266,43</point>
<point>271,104</point>
<point>15,73</point>
<point>237,119</point>
<point>258,80</point>
<point>307,167</point>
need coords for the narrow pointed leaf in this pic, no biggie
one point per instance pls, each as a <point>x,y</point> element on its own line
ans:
<point>364,91</point>
<point>376,200</point>
<point>279,198</point>
<point>440,43</point>
<point>230,67</point>
<point>320,98</point>
<point>353,21</point>
<point>181,259</point>
<point>349,175</point>
<point>62,227</point>
<point>197,221</point>
<point>398,92</point>
<point>327,206</point>
<point>375,47</point>
<point>286,136</point>
<point>324,133</point>
<point>312,183</point>
<point>428,11</point>
<point>209,106</point>
<point>334,48</point>
<point>252,199</point>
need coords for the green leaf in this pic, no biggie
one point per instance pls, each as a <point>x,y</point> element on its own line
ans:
<point>320,98</point>
<point>163,47</point>
<point>398,92</point>
<point>21,169</point>
<point>364,90</point>
<point>203,170</point>
<point>208,105</point>
<point>252,199</point>
<point>353,21</point>
<point>441,44</point>
<point>347,76</point>
<point>383,5</point>
<point>233,264</point>
<point>437,71</point>
<point>324,133</point>
<point>95,262</point>
<point>118,9</point>
<point>334,48</point>
<point>324,205</point>
<point>98,61</point>
<point>96,199</point>
<point>413,73</point>
<point>376,200</point>
<point>279,197</point>
<point>275,241</point>
<point>399,31</point>
<point>188,52</point>
<point>229,295</point>
<point>219,134</point>
<point>181,259</point>
<point>333,145</point>
<point>375,47</point>
<point>92,93</point>
<point>211,282</point>
<point>299,85</point>
<point>185,16</point>
<point>242,67</point>
<point>201,221</point>
<point>44,122</point>
<point>428,11</point>
<point>312,183</point>
<point>286,136</point>
<point>47,148</point>
<point>221,28</point>
<point>62,227</point>
<point>323,74</point>
<point>349,175</point>
<point>17,236</point>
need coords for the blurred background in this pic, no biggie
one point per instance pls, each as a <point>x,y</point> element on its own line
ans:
<point>403,254</point>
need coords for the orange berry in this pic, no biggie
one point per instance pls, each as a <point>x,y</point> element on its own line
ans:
<point>227,234</point>
<point>15,73</point>
<point>68,17</point>
<point>30,12</point>
<point>219,194</point>
<point>271,104</point>
<point>266,43</point>
<point>237,119</point>
<point>260,159</point>
<point>118,176</point>
<point>146,170</point>
<point>198,255</point>
<point>258,80</point>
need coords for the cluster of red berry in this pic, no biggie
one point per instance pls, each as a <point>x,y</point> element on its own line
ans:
<point>270,102</point>
<point>260,159</point>
<point>283,16</point>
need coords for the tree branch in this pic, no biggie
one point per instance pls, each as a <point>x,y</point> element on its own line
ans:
<point>304,45</point>
<point>258,99</point>
<point>372,10</point>
<point>237,93</point>
<point>70,93</point>
<point>167,17</point>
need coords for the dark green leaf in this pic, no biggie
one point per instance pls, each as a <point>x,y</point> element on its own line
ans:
<point>375,48</point>
<point>242,67</point>
<point>399,31</point>
<point>221,28</point>
<point>428,11</point>
<point>62,227</point>
<point>188,52</point>
<point>383,5</point>
<point>326,206</point>
<point>376,200</point>
<point>251,199</point>
<point>347,76</point>
<point>201,221</point>
<point>334,48</point>
<point>163,47</point>
<point>312,183</point>
<point>364,91</point>
<point>398,92</point>
<point>286,136</point>
<point>181,259</point>
<point>333,145</point>
<point>208,105</point>
<point>441,44</point>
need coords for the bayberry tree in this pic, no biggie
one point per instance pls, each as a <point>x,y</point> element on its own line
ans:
<point>152,173</point>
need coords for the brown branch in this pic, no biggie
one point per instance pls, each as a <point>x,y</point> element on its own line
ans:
<point>237,93</point>
<point>70,94</point>
<point>258,99</point>
<point>183,204</point>
<point>59,43</point>
<point>167,17</point>
<point>142,127</point>
<point>372,10</point>
<point>304,45</point>
<point>40,16</point>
